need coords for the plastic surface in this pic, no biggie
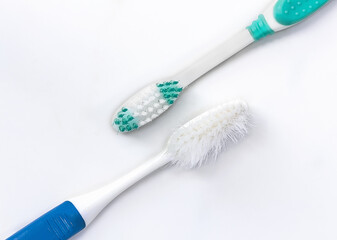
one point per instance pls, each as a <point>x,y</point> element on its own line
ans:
<point>92,203</point>
<point>260,28</point>
<point>288,12</point>
<point>213,58</point>
<point>60,223</point>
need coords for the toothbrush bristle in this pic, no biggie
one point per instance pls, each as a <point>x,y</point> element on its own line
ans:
<point>146,105</point>
<point>204,137</point>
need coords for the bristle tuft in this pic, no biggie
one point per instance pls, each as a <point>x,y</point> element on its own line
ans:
<point>146,105</point>
<point>205,136</point>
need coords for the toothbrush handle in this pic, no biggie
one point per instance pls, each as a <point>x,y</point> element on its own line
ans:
<point>282,14</point>
<point>60,223</point>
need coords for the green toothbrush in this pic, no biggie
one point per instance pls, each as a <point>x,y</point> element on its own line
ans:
<point>156,98</point>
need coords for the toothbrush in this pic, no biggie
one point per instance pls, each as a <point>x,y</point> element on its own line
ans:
<point>156,98</point>
<point>189,146</point>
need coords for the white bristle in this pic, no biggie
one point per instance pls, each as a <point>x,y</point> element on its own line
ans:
<point>151,101</point>
<point>204,137</point>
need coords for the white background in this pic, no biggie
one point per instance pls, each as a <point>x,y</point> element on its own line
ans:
<point>65,66</point>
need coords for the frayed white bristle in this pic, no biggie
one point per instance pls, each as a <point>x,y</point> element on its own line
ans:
<point>204,137</point>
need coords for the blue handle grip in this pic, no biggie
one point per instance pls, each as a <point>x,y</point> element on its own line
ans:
<point>60,223</point>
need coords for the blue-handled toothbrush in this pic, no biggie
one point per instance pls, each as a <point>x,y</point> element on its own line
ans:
<point>189,146</point>
<point>150,102</point>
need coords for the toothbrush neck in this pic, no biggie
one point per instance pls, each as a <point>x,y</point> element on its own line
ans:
<point>91,204</point>
<point>120,185</point>
<point>214,57</point>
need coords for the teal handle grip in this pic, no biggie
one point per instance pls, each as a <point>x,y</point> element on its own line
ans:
<point>60,223</point>
<point>288,12</point>
<point>282,14</point>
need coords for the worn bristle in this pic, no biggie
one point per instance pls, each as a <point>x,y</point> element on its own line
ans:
<point>204,137</point>
<point>146,105</point>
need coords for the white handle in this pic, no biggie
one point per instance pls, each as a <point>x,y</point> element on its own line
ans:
<point>214,58</point>
<point>91,204</point>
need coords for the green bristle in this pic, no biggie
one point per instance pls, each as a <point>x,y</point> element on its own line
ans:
<point>117,121</point>
<point>169,90</point>
<point>125,121</point>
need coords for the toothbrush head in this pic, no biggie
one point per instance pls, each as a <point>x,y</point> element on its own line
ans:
<point>204,137</point>
<point>146,105</point>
